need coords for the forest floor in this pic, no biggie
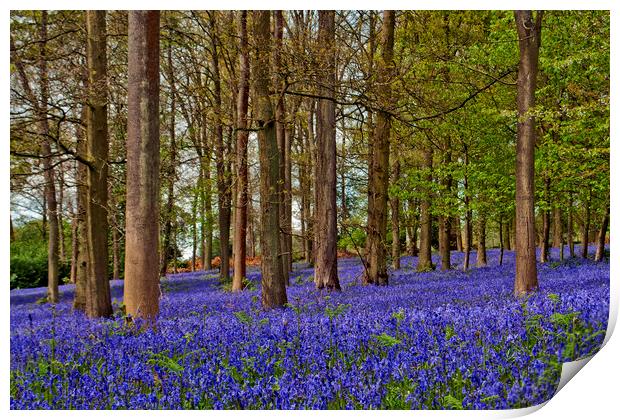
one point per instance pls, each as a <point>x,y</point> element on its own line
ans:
<point>448,339</point>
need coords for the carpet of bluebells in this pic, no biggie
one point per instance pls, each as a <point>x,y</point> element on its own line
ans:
<point>428,340</point>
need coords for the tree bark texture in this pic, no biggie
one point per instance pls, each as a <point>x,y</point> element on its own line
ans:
<point>241,211</point>
<point>426,224</point>
<point>379,178</point>
<point>326,264</point>
<point>528,32</point>
<point>141,294</point>
<point>273,287</point>
<point>98,300</point>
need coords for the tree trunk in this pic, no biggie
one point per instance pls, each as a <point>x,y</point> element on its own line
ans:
<point>481,254</point>
<point>98,300</point>
<point>544,243</point>
<point>194,229</point>
<point>370,148</point>
<point>74,243</point>
<point>280,115</point>
<point>273,286</point>
<point>444,219</point>
<point>308,160</point>
<point>507,245</point>
<point>585,228</point>
<point>61,232</point>
<point>529,42</point>
<point>600,248</point>
<point>426,223</point>
<point>558,231</point>
<point>171,172</point>
<point>501,241</point>
<point>82,267</point>
<point>468,229</point>
<point>241,211</point>
<point>46,149</point>
<point>379,179</point>
<point>569,228</point>
<point>223,180</point>
<point>459,236</point>
<point>116,236</point>
<point>116,254</point>
<point>141,292</point>
<point>395,210</point>
<point>326,271</point>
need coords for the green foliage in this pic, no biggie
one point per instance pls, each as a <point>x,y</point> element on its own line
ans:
<point>226,284</point>
<point>29,257</point>
<point>452,402</point>
<point>333,312</point>
<point>386,340</point>
<point>243,317</point>
<point>165,362</point>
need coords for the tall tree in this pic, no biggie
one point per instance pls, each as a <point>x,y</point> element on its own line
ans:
<point>272,281</point>
<point>98,301</point>
<point>379,178</point>
<point>280,114</point>
<point>546,223</point>
<point>168,246</point>
<point>395,211</point>
<point>326,264</point>
<point>600,246</point>
<point>40,106</point>
<point>141,292</point>
<point>241,211</point>
<point>528,31</point>
<point>426,222</point>
<point>223,177</point>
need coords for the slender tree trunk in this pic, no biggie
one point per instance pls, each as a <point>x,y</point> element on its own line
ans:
<point>377,270</point>
<point>309,159</point>
<point>426,224</point>
<point>46,149</point>
<point>74,243</point>
<point>116,240</point>
<point>481,254</point>
<point>459,236</point>
<point>223,181</point>
<point>251,224</point>
<point>569,228</point>
<point>501,241</point>
<point>544,243</point>
<point>289,134</point>
<point>468,229</point>
<point>558,231</point>
<point>412,247</point>
<point>600,248</point>
<point>141,292</point>
<point>116,253</point>
<point>280,115</point>
<point>529,42</point>
<point>273,288</point>
<point>585,229</point>
<point>395,210</point>
<point>241,212</point>
<point>326,271</point>
<point>370,148</point>
<point>171,172</point>
<point>444,220</point>
<point>507,245</point>
<point>194,229</point>
<point>12,231</point>
<point>61,231</point>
